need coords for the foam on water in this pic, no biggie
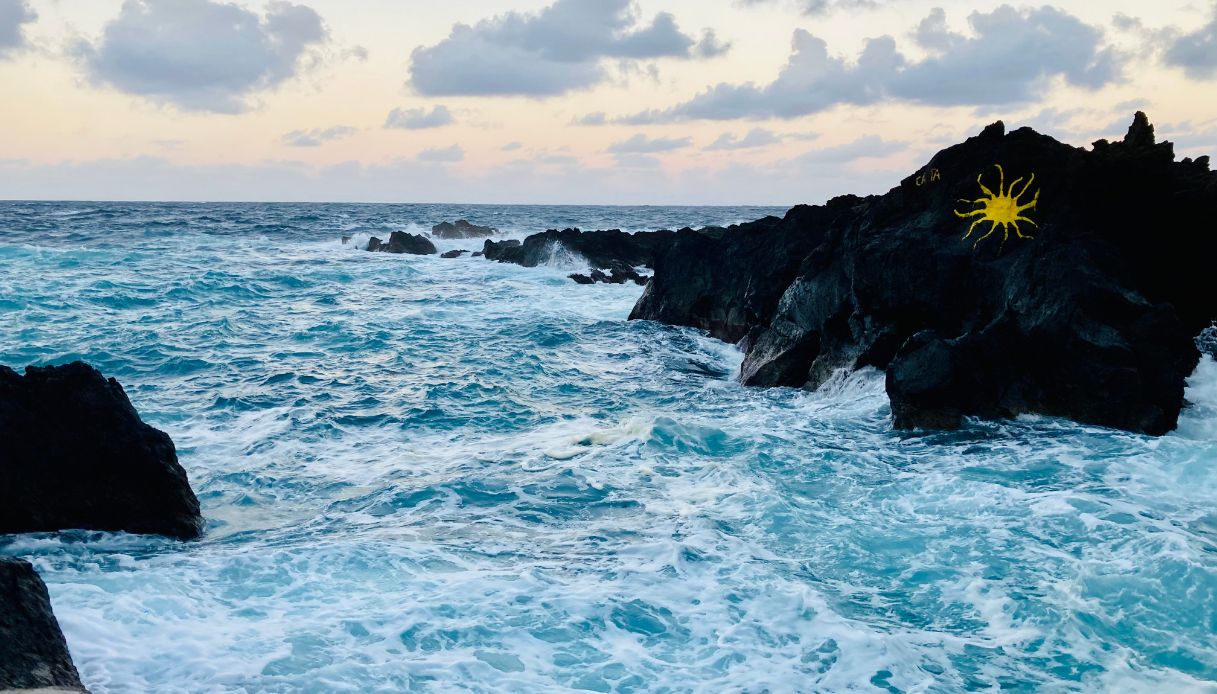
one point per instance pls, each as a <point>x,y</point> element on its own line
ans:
<point>428,474</point>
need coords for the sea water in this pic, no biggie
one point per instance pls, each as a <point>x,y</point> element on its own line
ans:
<point>422,474</point>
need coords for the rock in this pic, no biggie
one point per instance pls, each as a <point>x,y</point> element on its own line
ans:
<point>613,250</point>
<point>75,454</point>
<point>461,229</point>
<point>618,275</point>
<point>33,652</point>
<point>1091,316</point>
<point>453,254</point>
<point>346,240</point>
<point>476,254</point>
<point>401,242</point>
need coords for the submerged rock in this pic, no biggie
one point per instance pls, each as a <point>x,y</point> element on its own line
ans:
<point>75,454</point>
<point>33,652</point>
<point>453,254</point>
<point>461,229</point>
<point>401,242</point>
<point>613,250</point>
<point>1083,304</point>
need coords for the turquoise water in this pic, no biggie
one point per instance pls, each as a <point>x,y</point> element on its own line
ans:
<point>433,475</point>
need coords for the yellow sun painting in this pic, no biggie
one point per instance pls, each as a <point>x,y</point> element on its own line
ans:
<point>1004,209</point>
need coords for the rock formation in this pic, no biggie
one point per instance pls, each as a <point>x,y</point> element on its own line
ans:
<point>1012,274</point>
<point>401,242</point>
<point>612,250</point>
<point>461,229</point>
<point>33,652</point>
<point>74,454</point>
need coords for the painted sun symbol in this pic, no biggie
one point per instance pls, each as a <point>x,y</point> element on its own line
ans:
<point>1005,209</point>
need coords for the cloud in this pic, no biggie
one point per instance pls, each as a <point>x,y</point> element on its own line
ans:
<point>511,146</point>
<point>818,8</point>
<point>1010,58</point>
<point>1195,52</point>
<point>201,55</point>
<point>551,52</point>
<point>419,118</point>
<point>442,155</point>
<point>317,136</point>
<point>597,118</point>
<point>641,144</point>
<point>757,137</point>
<point>13,14</point>
<point>866,147</point>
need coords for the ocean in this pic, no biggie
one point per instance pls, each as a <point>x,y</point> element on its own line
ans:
<point>436,475</point>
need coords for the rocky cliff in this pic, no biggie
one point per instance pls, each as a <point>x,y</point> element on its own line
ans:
<point>1011,274</point>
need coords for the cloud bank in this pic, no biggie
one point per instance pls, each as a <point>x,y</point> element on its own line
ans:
<point>557,50</point>
<point>201,55</point>
<point>1011,57</point>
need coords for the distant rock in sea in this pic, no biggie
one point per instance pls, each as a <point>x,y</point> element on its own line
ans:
<point>33,652</point>
<point>461,229</point>
<point>74,454</point>
<point>1011,274</point>
<point>453,254</point>
<point>610,250</point>
<point>401,242</point>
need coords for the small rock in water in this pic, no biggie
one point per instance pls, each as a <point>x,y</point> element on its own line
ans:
<point>401,242</point>
<point>461,229</point>
<point>453,254</point>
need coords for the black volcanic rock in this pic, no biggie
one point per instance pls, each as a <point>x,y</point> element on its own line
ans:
<point>461,229</point>
<point>453,254</point>
<point>401,242</point>
<point>33,652</point>
<point>618,275</point>
<point>612,250</point>
<point>1092,319</point>
<point>75,454</point>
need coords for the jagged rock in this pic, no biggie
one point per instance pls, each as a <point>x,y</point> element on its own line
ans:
<point>461,229</point>
<point>618,275</point>
<point>1092,319</point>
<point>75,454</point>
<point>33,652</point>
<point>401,242</point>
<point>603,250</point>
<point>453,254</point>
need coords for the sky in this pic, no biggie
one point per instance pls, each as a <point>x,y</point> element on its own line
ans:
<point>697,102</point>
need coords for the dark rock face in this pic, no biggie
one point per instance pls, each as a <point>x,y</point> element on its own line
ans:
<point>453,254</point>
<point>461,229</point>
<point>33,652</point>
<point>613,250</point>
<point>401,242</point>
<point>74,454</point>
<point>1092,316</point>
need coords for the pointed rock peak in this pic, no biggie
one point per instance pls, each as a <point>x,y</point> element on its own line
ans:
<point>1141,132</point>
<point>997,129</point>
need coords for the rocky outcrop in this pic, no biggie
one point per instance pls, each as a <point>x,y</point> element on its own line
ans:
<point>461,229</point>
<point>33,652</point>
<point>1087,309</point>
<point>611,250</point>
<point>453,254</point>
<point>618,275</point>
<point>401,242</point>
<point>74,454</point>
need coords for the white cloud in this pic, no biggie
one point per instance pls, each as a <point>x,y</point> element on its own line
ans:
<point>554,51</point>
<point>201,55</point>
<point>1011,57</point>
<point>419,118</point>
<point>13,15</point>
<point>317,136</point>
